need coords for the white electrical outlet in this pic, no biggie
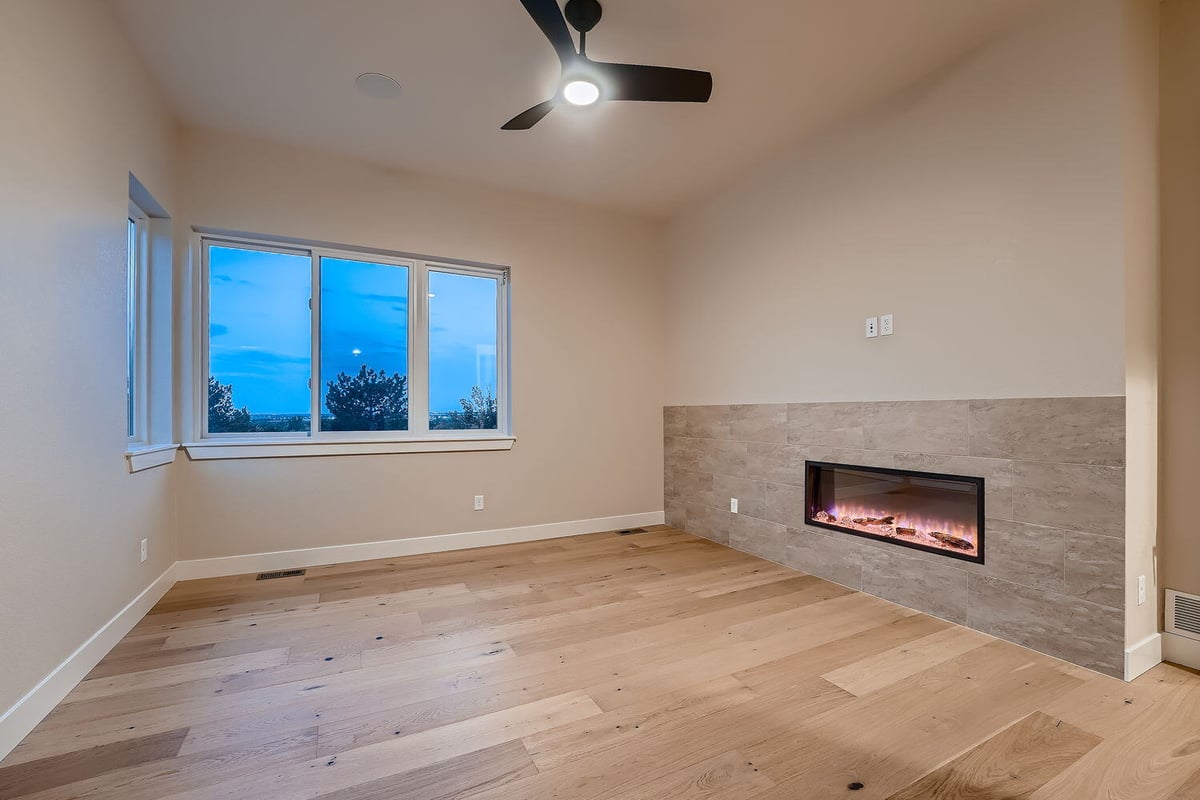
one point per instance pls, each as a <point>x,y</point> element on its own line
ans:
<point>733,505</point>
<point>1141,589</point>
<point>479,502</point>
<point>872,327</point>
<point>885,325</point>
<point>145,551</point>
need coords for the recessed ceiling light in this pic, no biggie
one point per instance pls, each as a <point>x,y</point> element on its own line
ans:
<point>378,85</point>
<point>581,93</point>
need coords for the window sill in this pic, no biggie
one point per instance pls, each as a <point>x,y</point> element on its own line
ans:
<point>141,457</point>
<point>215,449</point>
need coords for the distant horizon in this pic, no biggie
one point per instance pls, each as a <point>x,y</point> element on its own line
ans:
<point>260,328</point>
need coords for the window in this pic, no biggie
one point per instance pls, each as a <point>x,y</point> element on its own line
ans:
<point>326,345</point>
<point>135,372</point>
<point>149,332</point>
<point>258,333</point>
<point>364,345</point>
<point>462,350</point>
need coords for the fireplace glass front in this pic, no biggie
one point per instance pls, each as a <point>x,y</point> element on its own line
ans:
<point>923,510</point>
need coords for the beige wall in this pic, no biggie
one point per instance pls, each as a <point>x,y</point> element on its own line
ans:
<point>1180,142</point>
<point>982,208</point>
<point>587,294</point>
<point>78,114</point>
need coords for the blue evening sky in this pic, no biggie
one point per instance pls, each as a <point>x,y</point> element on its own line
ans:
<point>260,327</point>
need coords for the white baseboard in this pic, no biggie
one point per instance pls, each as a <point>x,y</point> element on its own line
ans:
<point>1181,650</point>
<point>1144,655</point>
<point>344,553</point>
<point>23,717</point>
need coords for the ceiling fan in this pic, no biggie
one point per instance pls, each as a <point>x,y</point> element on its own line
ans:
<point>585,82</point>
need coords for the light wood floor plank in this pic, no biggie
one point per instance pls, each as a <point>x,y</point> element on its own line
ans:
<point>1013,764</point>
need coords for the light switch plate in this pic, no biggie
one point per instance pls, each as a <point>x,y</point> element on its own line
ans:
<point>872,327</point>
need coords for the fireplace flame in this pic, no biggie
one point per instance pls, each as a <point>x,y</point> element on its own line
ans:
<point>942,534</point>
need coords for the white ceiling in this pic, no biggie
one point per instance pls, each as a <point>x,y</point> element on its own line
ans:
<point>284,70</point>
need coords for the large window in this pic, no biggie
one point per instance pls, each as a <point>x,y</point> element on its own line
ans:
<point>326,344</point>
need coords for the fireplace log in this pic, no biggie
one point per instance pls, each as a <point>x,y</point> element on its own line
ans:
<point>952,541</point>
<point>906,531</point>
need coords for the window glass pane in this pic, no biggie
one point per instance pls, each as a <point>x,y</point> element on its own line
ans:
<point>259,341</point>
<point>130,329</point>
<point>364,346</point>
<point>462,351</point>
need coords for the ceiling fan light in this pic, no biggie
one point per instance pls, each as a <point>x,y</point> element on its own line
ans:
<point>581,93</point>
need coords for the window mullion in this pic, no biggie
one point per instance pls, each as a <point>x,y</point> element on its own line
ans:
<point>418,351</point>
<point>314,361</point>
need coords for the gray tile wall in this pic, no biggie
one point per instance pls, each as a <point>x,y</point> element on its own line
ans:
<point>1054,477</point>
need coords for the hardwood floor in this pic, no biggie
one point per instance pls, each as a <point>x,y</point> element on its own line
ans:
<point>656,665</point>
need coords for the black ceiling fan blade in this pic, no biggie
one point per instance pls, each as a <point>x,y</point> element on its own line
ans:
<point>530,117</point>
<point>654,84</point>
<point>549,19</point>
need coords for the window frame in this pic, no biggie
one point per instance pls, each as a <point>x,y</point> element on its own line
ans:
<point>418,437</point>
<point>150,321</point>
<point>137,368</point>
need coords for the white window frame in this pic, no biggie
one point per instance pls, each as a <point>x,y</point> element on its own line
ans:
<point>137,316</point>
<point>149,322</point>
<point>418,437</point>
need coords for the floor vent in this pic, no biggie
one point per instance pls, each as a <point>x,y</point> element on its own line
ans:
<point>287,573</point>
<point>1183,614</point>
<point>631,531</point>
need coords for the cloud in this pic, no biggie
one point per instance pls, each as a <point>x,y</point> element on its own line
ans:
<point>256,361</point>
<point>398,299</point>
<point>229,279</point>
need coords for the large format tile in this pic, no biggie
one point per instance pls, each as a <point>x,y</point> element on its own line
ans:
<point>682,453</point>
<point>785,504</point>
<point>916,426</point>
<point>1030,555</point>
<point>834,558</point>
<point>751,495</point>
<point>722,457</point>
<point>829,424</point>
<point>1096,568</point>
<point>842,455</point>
<point>693,487</point>
<point>675,513</point>
<point>938,589</point>
<point>707,422</point>
<point>774,463</point>
<point>757,536</point>
<point>711,523</point>
<point>674,421</point>
<point>1085,633</point>
<point>1077,497</point>
<point>758,423</point>
<point>1077,430</point>
<point>996,474</point>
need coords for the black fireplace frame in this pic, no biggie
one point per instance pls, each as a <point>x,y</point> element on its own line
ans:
<point>812,468</point>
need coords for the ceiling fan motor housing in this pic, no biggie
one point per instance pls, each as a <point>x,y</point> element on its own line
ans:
<point>583,14</point>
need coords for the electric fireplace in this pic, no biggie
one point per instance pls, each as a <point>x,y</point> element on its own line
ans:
<point>924,510</point>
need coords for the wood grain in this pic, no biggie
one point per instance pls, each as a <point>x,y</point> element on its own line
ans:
<point>1012,764</point>
<point>599,667</point>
